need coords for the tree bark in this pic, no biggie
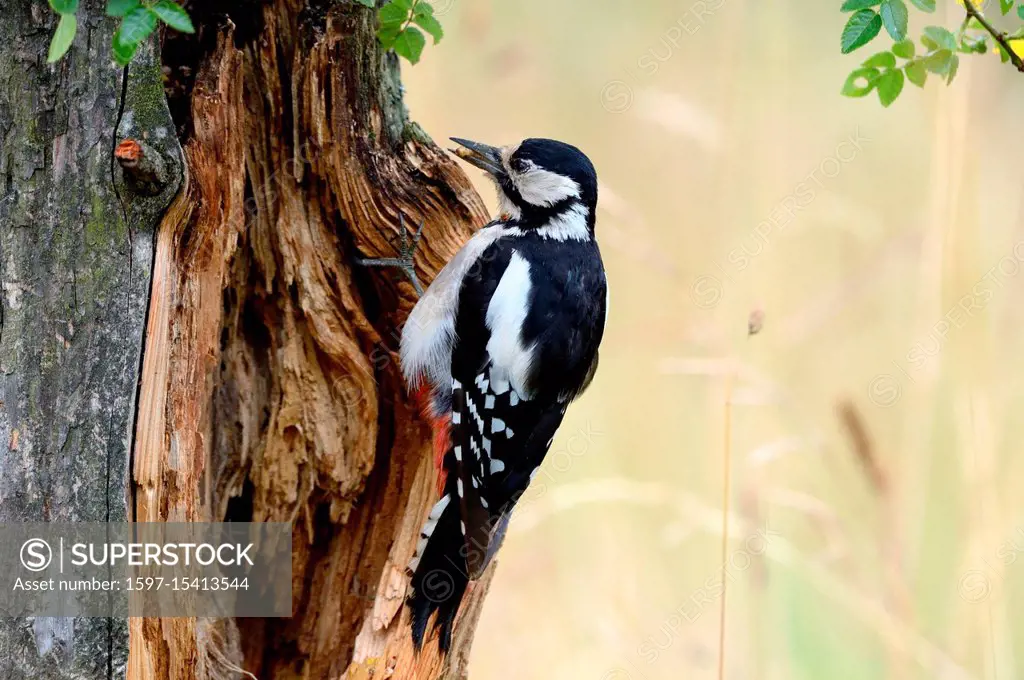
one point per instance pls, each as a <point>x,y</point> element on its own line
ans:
<point>267,376</point>
<point>271,389</point>
<point>75,255</point>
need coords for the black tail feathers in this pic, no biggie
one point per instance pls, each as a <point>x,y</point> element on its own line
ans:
<point>440,576</point>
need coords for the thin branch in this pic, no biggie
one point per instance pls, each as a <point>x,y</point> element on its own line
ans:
<point>726,496</point>
<point>999,36</point>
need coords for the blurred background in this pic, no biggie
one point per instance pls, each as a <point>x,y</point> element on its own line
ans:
<point>874,423</point>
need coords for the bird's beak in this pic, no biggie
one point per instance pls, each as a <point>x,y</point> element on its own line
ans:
<point>482,156</point>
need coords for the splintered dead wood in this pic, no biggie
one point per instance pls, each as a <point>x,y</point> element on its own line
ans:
<point>270,388</point>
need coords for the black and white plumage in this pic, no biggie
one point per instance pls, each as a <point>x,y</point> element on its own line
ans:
<point>503,339</point>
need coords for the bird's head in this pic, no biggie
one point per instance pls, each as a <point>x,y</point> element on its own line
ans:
<point>538,179</point>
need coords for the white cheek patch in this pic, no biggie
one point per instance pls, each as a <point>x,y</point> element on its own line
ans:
<point>536,186</point>
<point>543,187</point>
<point>511,361</point>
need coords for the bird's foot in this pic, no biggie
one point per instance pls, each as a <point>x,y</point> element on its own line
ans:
<point>407,244</point>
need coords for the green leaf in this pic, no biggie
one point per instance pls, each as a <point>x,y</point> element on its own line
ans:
<point>976,45</point>
<point>62,37</point>
<point>894,16</point>
<point>860,30</point>
<point>929,43</point>
<point>889,86</point>
<point>938,62</point>
<point>1020,11</point>
<point>954,66</point>
<point>393,14</point>
<point>118,8</point>
<point>917,73</point>
<point>424,18</point>
<point>854,5</point>
<point>1005,6</point>
<point>410,44</point>
<point>924,5</point>
<point>64,7</point>
<point>368,3</point>
<point>172,14</point>
<point>388,35</point>
<point>123,51</point>
<point>942,37</point>
<point>904,49</point>
<point>881,60</point>
<point>860,82</point>
<point>136,26</point>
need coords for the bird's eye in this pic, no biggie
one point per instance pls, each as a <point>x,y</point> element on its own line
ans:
<point>518,165</point>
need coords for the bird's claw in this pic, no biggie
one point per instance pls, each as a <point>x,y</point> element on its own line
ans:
<point>406,248</point>
<point>406,254</point>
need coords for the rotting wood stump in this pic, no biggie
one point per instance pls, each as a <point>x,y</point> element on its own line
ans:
<point>200,272</point>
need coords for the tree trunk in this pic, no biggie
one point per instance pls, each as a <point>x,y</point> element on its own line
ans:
<point>75,259</point>
<point>270,387</point>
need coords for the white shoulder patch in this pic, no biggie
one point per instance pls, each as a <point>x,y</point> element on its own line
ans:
<point>429,333</point>
<point>506,312</point>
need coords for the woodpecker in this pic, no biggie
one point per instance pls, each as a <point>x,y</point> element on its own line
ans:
<point>497,347</point>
